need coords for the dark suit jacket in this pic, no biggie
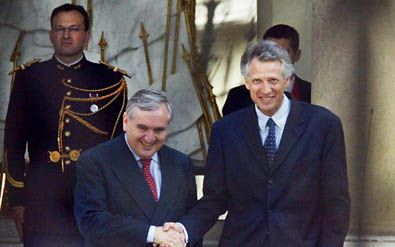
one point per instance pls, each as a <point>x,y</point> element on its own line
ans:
<point>302,201</point>
<point>113,203</point>
<point>239,97</point>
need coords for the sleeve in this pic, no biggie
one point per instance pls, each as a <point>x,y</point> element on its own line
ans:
<point>192,191</point>
<point>15,138</point>
<point>335,201</point>
<point>230,103</point>
<point>215,196</point>
<point>95,222</point>
<point>192,197</point>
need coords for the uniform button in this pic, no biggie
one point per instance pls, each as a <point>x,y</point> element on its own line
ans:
<point>67,120</point>
<point>67,106</point>
<point>270,181</point>
<point>68,93</point>
<point>67,133</point>
<point>67,148</point>
<point>67,162</point>
<point>68,80</point>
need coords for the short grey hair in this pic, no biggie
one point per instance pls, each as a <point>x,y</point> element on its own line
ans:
<point>148,100</point>
<point>265,51</point>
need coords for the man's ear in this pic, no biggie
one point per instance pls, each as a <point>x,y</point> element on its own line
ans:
<point>125,121</point>
<point>288,80</point>
<point>298,53</point>
<point>87,38</point>
<point>51,36</point>
<point>246,84</point>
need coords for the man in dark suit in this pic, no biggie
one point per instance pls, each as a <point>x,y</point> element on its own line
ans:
<point>57,109</point>
<point>288,38</point>
<point>128,187</point>
<point>278,166</point>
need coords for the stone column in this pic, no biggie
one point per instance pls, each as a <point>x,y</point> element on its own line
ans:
<point>378,49</point>
<point>354,77</point>
<point>340,86</point>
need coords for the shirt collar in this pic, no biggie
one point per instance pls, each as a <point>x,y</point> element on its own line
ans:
<point>279,118</point>
<point>70,64</point>
<point>154,157</point>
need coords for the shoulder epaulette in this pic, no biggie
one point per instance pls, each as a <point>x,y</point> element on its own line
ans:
<point>24,66</point>
<point>115,69</point>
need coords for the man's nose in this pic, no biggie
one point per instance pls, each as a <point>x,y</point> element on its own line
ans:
<point>150,136</point>
<point>266,87</point>
<point>66,33</point>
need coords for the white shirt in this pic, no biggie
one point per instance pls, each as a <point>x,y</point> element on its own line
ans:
<point>279,118</point>
<point>156,174</point>
<point>70,64</point>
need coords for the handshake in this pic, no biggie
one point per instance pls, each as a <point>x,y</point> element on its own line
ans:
<point>169,235</point>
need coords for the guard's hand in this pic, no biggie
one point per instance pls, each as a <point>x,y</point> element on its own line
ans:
<point>17,214</point>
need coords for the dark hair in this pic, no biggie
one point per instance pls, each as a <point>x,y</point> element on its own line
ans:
<point>282,31</point>
<point>71,7</point>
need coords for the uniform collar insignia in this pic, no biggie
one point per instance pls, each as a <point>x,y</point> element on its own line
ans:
<point>78,66</point>
<point>59,66</point>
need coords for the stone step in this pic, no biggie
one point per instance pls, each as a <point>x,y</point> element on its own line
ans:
<point>8,234</point>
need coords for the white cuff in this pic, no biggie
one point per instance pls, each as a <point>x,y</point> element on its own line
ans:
<point>185,232</point>
<point>150,235</point>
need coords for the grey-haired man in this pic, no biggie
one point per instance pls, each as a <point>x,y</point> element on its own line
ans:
<point>128,187</point>
<point>278,167</point>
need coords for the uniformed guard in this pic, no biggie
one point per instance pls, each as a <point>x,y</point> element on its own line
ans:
<point>57,109</point>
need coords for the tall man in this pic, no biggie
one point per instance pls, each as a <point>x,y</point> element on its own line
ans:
<point>288,38</point>
<point>58,108</point>
<point>128,186</point>
<point>278,166</point>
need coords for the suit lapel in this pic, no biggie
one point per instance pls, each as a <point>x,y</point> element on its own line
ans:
<point>169,187</point>
<point>252,139</point>
<point>293,129</point>
<point>126,169</point>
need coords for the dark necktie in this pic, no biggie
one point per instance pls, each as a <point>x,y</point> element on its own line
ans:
<point>148,177</point>
<point>270,143</point>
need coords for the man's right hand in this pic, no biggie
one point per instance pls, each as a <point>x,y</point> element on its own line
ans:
<point>17,214</point>
<point>172,225</point>
<point>170,238</point>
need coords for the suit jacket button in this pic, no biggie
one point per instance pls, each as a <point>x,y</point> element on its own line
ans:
<point>270,181</point>
<point>269,212</point>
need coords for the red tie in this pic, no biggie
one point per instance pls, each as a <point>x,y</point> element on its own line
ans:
<point>148,177</point>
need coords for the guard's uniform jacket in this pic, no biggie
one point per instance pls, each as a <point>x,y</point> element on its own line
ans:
<point>59,112</point>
